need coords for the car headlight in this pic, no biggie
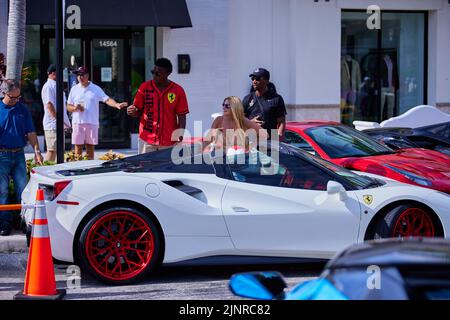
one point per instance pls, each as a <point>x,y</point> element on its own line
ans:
<point>411,176</point>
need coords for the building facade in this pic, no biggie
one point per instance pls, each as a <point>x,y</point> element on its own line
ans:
<point>305,44</point>
<point>329,59</point>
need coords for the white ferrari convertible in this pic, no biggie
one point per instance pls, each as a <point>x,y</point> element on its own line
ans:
<point>120,219</point>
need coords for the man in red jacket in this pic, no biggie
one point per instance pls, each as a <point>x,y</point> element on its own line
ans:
<point>162,106</point>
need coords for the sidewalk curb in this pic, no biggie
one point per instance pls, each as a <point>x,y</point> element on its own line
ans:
<point>16,242</point>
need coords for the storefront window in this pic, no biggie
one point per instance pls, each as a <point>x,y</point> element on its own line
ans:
<point>382,71</point>
<point>137,61</point>
<point>119,60</point>
<point>31,85</point>
<point>142,60</point>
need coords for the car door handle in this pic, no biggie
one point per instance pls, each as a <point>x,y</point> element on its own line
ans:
<point>240,209</point>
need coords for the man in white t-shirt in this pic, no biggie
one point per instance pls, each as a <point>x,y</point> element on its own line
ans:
<point>84,101</point>
<point>49,121</point>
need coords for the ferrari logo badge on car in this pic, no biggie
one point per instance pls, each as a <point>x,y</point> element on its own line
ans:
<point>368,199</point>
<point>171,97</point>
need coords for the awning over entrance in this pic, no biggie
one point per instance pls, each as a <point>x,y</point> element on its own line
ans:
<point>158,13</point>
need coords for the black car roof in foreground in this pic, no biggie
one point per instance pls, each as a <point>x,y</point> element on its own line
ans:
<point>394,252</point>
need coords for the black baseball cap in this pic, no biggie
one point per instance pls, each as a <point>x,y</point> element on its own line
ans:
<point>260,72</point>
<point>51,68</point>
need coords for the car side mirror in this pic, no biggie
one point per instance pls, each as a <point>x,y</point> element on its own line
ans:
<point>334,187</point>
<point>266,285</point>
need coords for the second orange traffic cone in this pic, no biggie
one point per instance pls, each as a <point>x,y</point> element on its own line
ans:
<point>40,281</point>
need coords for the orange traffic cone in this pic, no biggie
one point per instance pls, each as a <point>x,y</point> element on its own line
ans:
<point>40,281</point>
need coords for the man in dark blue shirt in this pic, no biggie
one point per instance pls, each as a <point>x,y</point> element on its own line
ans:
<point>16,127</point>
<point>265,106</point>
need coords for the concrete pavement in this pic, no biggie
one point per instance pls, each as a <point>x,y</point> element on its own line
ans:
<point>167,283</point>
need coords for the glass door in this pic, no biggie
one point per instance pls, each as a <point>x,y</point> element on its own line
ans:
<point>106,59</point>
<point>403,62</point>
<point>109,70</point>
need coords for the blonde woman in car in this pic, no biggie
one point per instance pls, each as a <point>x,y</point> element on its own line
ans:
<point>233,130</point>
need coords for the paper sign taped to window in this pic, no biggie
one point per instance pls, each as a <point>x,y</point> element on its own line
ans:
<point>106,74</point>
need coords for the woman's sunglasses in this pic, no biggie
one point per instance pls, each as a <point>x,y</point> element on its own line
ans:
<point>226,105</point>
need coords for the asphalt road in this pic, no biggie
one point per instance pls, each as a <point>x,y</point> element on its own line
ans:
<point>169,283</point>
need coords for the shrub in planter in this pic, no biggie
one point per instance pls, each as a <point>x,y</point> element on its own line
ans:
<point>70,156</point>
<point>110,155</point>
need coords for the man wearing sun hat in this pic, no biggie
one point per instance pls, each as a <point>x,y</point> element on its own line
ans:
<point>83,102</point>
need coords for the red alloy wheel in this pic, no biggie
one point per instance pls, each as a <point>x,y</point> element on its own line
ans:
<point>120,245</point>
<point>414,222</point>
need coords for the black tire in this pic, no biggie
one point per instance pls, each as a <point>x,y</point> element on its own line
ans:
<point>119,234</point>
<point>405,220</point>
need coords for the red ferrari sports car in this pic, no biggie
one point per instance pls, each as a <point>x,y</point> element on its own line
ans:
<point>355,150</point>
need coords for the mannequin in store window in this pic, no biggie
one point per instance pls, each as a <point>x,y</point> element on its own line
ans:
<point>350,83</point>
<point>389,85</point>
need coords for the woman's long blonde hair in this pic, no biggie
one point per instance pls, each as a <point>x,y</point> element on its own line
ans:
<point>237,113</point>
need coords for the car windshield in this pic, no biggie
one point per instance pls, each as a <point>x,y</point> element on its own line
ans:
<point>343,141</point>
<point>358,181</point>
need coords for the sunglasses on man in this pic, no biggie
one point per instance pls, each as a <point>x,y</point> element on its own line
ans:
<point>255,78</point>
<point>14,98</point>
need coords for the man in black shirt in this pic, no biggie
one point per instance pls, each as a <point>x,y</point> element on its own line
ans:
<point>265,106</point>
